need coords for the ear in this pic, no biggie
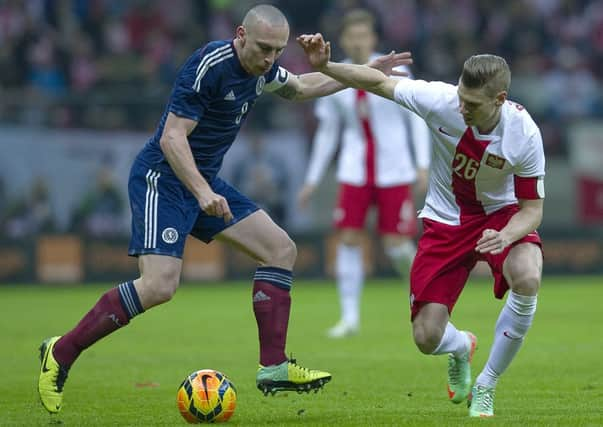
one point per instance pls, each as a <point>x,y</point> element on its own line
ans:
<point>501,97</point>
<point>241,34</point>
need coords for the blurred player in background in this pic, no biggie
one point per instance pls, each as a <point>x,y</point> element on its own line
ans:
<point>484,202</point>
<point>174,191</point>
<point>375,168</point>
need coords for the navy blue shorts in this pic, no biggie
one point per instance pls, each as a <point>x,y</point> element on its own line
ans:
<point>164,212</point>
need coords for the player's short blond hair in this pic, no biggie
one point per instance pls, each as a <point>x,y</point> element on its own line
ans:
<point>358,16</point>
<point>266,13</point>
<point>486,71</point>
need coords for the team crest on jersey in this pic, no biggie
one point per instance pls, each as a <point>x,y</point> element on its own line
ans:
<point>495,162</point>
<point>259,86</point>
<point>169,235</point>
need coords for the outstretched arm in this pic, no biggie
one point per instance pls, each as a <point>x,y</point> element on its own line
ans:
<point>314,85</point>
<point>361,77</point>
<point>309,86</point>
<point>358,76</point>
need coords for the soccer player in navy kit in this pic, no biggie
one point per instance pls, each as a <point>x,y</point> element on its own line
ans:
<point>174,191</point>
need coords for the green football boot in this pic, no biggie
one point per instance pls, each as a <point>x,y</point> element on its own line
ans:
<point>289,376</point>
<point>481,401</point>
<point>459,372</point>
<point>52,377</point>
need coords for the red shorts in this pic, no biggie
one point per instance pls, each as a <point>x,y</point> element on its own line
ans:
<point>396,210</point>
<point>446,255</point>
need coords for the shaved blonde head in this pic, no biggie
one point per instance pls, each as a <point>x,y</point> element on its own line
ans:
<point>261,38</point>
<point>264,14</point>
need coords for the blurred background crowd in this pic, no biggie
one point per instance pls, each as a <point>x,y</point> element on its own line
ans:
<point>108,66</point>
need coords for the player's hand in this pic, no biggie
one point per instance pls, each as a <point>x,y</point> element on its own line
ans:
<point>317,50</point>
<point>492,241</point>
<point>215,205</point>
<point>387,63</point>
<point>304,195</point>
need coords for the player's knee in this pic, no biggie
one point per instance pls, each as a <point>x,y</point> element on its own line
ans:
<point>526,281</point>
<point>165,293</point>
<point>289,253</point>
<point>523,269</point>
<point>426,338</point>
<point>160,287</point>
<point>283,253</point>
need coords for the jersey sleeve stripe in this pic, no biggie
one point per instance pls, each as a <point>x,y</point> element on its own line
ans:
<point>209,61</point>
<point>212,54</point>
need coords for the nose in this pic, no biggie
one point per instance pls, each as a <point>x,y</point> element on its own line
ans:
<point>269,59</point>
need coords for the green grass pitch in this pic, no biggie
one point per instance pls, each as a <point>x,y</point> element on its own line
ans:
<point>379,378</point>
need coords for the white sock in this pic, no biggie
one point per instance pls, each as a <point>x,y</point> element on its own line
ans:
<point>349,268</point>
<point>453,341</point>
<point>402,256</point>
<point>511,327</point>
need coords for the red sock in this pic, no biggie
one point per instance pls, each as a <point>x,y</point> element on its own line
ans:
<point>271,306</point>
<point>105,317</point>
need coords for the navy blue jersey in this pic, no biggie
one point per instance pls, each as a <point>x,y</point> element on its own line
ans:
<point>213,89</point>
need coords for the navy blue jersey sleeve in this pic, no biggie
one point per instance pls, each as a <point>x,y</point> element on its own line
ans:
<point>192,91</point>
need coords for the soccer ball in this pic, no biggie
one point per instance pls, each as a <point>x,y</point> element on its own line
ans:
<point>206,396</point>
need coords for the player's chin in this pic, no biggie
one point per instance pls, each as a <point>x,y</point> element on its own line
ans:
<point>263,69</point>
<point>259,70</point>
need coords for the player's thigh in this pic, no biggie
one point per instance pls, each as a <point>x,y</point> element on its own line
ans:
<point>396,211</point>
<point>445,256</point>
<point>519,267</point>
<point>522,268</point>
<point>352,206</point>
<point>163,212</point>
<point>208,227</point>
<point>261,238</point>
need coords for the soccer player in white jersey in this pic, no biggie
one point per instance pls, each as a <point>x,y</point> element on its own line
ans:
<point>375,168</point>
<point>484,202</point>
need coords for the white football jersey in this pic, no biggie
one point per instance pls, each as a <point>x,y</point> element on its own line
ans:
<point>392,131</point>
<point>473,174</point>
